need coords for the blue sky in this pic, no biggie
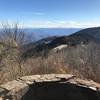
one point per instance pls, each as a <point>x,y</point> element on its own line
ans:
<point>51,13</point>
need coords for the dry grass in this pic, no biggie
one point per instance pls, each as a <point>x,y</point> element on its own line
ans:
<point>82,61</point>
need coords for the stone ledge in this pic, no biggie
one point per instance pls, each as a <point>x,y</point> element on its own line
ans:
<point>17,88</point>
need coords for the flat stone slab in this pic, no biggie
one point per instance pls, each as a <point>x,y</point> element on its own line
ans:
<point>29,79</point>
<point>12,85</point>
<point>90,84</point>
<point>18,92</point>
<point>45,78</point>
<point>15,90</point>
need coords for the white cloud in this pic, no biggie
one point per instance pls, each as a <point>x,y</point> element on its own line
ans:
<point>61,24</point>
<point>56,24</point>
<point>32,13</point>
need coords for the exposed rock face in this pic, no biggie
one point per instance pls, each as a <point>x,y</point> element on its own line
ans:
<point>59,48</point>
<point>50,87</point>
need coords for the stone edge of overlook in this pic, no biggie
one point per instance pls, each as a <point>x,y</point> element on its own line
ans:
<point>17,88</point>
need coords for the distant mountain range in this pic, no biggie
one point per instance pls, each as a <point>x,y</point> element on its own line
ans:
<point>41,33</point>
<point>48,39</point>
<point>81,37</point>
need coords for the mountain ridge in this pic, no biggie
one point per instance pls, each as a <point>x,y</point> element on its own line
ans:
<point>81,37</point>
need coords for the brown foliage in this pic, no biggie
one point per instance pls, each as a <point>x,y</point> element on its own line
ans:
<point>82,60</point>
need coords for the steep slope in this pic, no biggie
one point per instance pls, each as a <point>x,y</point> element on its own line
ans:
<point>91,33</point>
<point>83,36</point>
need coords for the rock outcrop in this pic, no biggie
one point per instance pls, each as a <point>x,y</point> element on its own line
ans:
<point>50,87</point>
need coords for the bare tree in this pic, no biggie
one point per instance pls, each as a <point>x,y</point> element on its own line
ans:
<point>10,49</point>
<point>13,35</point>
